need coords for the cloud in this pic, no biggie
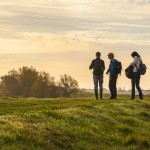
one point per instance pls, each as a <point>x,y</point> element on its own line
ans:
<point>70,15</point>
<point>75,40</point>
<point>78,39</point>
<point>63,35</point>
<point>141,1</point>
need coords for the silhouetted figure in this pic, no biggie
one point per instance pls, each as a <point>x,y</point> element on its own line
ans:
<point>135,81</point>
<point>98,67</point>
<point>113,76</point>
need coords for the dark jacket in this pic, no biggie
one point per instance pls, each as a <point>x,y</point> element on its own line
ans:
<point>100,70</point>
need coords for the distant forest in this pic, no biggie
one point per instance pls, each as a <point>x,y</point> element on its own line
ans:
<point>28,82</point>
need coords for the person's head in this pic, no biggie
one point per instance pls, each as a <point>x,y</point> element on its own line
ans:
<point>135,54</point>
<point>98,54</point>
<point>111,56</point>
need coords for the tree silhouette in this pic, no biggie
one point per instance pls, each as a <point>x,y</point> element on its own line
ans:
<point>69,84</point>
<point>28,82</point>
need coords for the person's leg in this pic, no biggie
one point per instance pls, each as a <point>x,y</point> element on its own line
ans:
<point>115,86</point>
<point>137,81</point>
<point>101,86</point>
<point>133,87</point>
<point>111,87</point>
<point>95,80</point>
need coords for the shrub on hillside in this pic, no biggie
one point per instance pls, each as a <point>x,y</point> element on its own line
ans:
<point>28,82</point>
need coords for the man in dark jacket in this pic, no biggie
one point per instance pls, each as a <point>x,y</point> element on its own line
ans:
<point>98,67</point>
<point>113,76</point>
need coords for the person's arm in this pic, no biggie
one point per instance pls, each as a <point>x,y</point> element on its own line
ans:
<point>108,70</point>
<point>134,61</point>
<point>104,65</point>
<point>141,61</point>
<point>92,65</point>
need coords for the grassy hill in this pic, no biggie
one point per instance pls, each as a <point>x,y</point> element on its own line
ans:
<point>74,124</point>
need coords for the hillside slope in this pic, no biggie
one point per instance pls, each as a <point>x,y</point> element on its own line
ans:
<point>74,124</point>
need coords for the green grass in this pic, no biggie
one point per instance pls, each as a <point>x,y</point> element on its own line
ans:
<point>74,124</point>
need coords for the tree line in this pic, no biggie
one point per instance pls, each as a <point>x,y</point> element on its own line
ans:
<point>28,82</point>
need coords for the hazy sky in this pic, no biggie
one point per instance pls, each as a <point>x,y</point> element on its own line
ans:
<point>62,36</point>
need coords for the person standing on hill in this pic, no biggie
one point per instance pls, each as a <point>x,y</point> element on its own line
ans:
<point>136,76</point>
<point>115,68</point>
<point>98,67</point>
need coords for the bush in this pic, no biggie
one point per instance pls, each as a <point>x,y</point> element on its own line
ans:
<point>28,82</point>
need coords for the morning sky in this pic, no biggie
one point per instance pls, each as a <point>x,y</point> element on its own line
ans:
<point>62,36</point>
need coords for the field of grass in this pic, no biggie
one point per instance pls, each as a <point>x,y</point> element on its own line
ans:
<point>74,124</point>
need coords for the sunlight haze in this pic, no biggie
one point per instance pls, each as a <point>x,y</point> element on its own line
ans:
<point>62,36</point>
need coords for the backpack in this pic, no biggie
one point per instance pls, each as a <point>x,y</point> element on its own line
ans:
<point>129,72</point>
<point>98,67</point>
<point>142,69</point>
<point>118,67</point>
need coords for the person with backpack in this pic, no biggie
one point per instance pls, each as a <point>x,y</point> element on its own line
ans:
<point>135,80</point>
<point>98,67</point>
<point>115,68</point>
